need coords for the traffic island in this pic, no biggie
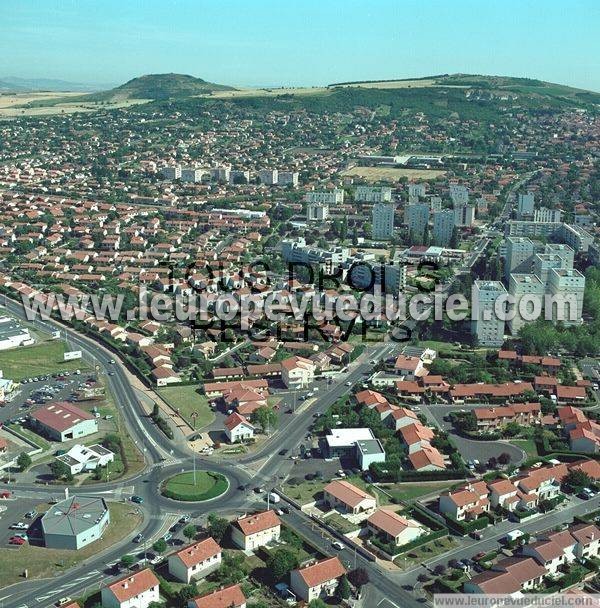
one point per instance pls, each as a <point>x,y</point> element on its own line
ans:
<point>195,487</point>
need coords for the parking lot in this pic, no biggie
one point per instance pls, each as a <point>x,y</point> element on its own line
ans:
<point>15,512</point>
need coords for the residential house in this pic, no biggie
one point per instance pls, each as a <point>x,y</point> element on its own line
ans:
<point>253,531</point>
<point>342,495</point>
<point>237,428</point>
<point>224,597</point>
<point>195,561</point>
<point>135,590</point>
<point>393,527</point>
<point>317,580</point>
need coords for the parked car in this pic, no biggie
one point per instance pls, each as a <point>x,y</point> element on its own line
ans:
<point>336,544</point>
<point>19,526</point>
<point>138,538</point>
<point>16,540</point>
<point>137,499</point>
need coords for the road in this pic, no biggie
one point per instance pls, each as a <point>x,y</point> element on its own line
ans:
<point>164,458</point>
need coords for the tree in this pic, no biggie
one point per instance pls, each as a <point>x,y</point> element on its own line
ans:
<point>358,577</point>
<point>160,546</point>
<point>492,462</point>
<point>439,570</point>
<point>127,561</point>
<point>232,569</point>
<point>265,417</point>
<point>23,461</point>
<point>60,470</point>
<point>504,458</point>
<point>343,588</point>
<point>217,526</point>
<point>577,479</point>
<point>190,531</point>
<point>281,562</point>
<point>186,593</point>
<point>512,429</point>
<point>317,603</point>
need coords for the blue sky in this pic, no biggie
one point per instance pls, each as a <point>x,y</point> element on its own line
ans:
<point>300,42</point>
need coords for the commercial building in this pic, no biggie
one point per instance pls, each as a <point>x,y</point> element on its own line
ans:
<point>62,421</point>
<point>488,326</point>
<point>383,220</point>
<point>12,334</point>
<point>359,444</point>
<point>443,226</point>
<point>75,522</point>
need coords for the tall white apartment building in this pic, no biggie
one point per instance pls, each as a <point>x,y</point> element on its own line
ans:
<point>543,214</point>
<point>317,212</point>
<point>443,226</point>
<point>487,325</point>
<point>459,195</point>
<point>288,178</point>
<point>544,262</point>
<point>519,286</point>
<point>371,194</point>
<point>464,215</point>
<point>172,172</point>
<point>416,217</point>
<point>519,251</point>
<point>329,197</point>
<point>525,204</point>
<point>268,177</point>
<point>566,286</point>
<point>435,203</point>
<point>383,220</point>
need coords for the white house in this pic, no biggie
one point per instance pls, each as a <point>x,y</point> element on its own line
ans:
<point>348,498</point>
<point>137,590</point>
<point>226,597</point>
<point>393,527</point>
<point>317,580</point>
<point>297,372</point>
<point>256,530</point>
<point>86,458</point>
<point>237,428</point>
<point>195,561</point>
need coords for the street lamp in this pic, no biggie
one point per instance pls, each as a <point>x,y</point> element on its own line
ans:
<point>193,416</point>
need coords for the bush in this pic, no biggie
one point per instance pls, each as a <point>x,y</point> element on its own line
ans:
<point>465,527</point>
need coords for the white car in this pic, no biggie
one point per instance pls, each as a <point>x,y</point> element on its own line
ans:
<point>336,544</point>
<point>156,559</point>
<point>19,526</point>
<point>348,383</point>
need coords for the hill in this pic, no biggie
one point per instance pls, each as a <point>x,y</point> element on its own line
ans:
<point>160,86</point>
<point>484,86</point>
<point>13,84</point>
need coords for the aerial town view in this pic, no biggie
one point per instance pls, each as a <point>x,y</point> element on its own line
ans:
<point>299,304</point>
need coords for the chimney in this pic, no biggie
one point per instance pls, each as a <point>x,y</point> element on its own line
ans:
<point>66,493</point>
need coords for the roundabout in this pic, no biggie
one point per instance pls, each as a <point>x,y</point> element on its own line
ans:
<point>195,486</point>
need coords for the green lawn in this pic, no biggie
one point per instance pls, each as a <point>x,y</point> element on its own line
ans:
<point>187,400</point>
<point>305,492</point>
<point>206,486</point>
<point>37,360</point>
<point>526,444</point>
<point>411,491</point>
<point>425,552</point>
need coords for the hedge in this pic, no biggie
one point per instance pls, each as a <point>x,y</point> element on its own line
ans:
<point>426,538</point>
<point>422,516</point>
<point>465,527</point>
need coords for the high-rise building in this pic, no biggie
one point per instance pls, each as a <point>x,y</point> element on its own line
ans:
<point>416,191</point>
<point>543,214</point>
<point>566,286</point>
<point>383,220</point>
<point>238,176</point>
<point>220,174</point>
<point>416,217</point>
<point>520,285</point>
<point>488,325</point>
<point>192,174</point>
<point>464,215</point>
<point>288,178</point>
<point>269,177</point>
<point>519,251</point>
<point>171,172</point>
<point>459,195</point>
<point>443,226</point>
<point>317,212</point>
<point>329,197</point>
<point>526,203</point>
<point>370,194</point>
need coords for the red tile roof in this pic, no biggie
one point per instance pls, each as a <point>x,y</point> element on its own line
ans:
<point>198,552</point>
<point>321,572</point>
<point>60,415</point>
<point>133,584</point>
<point>228,597</point>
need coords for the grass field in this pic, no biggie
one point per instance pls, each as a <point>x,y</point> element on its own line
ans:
<point>206,486</point>
<point>391,174</point>
<point>187,400</point>
<point>41,562</point>
<point>411,491</point>
<point>528,445</point>
<point>36,360</point>
<point>417,556</point>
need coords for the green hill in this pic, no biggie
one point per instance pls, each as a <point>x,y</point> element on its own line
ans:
<point>160,86</point>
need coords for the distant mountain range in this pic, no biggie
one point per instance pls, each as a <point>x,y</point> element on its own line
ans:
<point>12,84</point>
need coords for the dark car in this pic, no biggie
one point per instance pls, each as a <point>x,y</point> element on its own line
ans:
<point>283,452</point>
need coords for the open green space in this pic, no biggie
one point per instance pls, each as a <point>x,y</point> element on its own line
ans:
<point>425,552</point>
<point>528,445</point>
<point>41,562</point>
<point>411,491</point>
<point>199,486</point>
<point>187,401</point>
<point>37,360</point>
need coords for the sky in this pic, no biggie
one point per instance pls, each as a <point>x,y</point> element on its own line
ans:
<point>300,42</point>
